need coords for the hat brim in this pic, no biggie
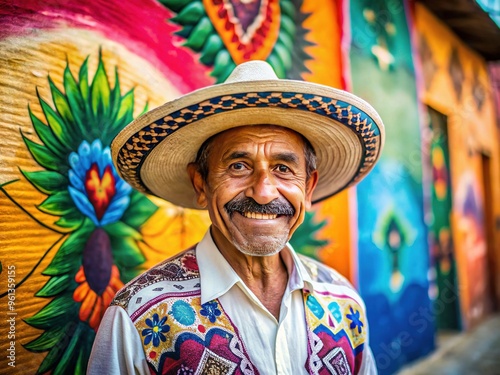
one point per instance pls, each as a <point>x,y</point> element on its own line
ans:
<point>347,134</point>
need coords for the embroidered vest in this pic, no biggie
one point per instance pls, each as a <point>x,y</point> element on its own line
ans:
<point>182,336</point>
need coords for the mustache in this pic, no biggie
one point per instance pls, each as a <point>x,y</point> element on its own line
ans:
<point>279,206</point>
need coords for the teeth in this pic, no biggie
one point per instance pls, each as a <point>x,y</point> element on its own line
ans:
<point>259,216</point>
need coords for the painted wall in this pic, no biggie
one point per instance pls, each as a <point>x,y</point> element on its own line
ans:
<point>393,253</point>
<point>72,74</point>
<point>456,84</point>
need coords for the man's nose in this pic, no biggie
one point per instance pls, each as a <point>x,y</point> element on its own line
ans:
<point>263,188</point>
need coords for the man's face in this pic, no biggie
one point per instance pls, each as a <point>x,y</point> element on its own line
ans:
<point>256,191</point>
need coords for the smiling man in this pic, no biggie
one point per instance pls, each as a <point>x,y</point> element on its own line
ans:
<point>256,152</point>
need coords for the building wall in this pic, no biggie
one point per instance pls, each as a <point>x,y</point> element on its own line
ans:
<point>456,84</point>
<point>72,75</point>
<point>393,254</point>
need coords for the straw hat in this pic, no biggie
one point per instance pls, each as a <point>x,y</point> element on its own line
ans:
<point>153,151</point>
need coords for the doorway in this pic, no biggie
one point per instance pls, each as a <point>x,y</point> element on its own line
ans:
<point>489,220</point>
<point>446,304</point>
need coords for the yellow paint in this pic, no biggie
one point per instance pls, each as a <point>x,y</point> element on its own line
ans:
<point>170,230</point>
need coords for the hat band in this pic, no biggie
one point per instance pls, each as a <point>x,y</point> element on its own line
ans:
<point>138,146</point>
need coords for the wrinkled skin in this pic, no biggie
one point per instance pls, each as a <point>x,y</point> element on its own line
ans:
<point>263,164</point>
<point>256,193</point>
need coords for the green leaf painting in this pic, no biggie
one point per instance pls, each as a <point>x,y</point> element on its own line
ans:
<point>98,214</point>
<point>305,240</point>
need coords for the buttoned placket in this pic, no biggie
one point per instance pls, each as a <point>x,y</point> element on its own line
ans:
<point>282,351</point>
<point>284,328</point>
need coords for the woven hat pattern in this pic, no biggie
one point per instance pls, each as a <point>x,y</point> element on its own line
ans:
<point>138,146</point>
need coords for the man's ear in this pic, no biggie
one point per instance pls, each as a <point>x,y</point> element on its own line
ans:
<point>311,183</point>
<point>198,184</point>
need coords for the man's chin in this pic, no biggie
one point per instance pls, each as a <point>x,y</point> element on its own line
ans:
<point>265,249</point>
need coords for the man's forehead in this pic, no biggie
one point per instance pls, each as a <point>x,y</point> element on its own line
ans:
<point>257,132</point>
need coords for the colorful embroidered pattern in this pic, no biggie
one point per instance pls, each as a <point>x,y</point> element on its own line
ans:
<point>182,336</point>
<point>335,333</point>
<point>201,339</point>
<point>134,151</point>
<point>210,310</point>
<point>182,267</point>
<point>183,313</point>
<point>336,325</point>
<point>355,321</point>
<point>179,334</point>
<point>156,330</point>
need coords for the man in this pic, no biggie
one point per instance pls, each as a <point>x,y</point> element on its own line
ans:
<point>256,152</point>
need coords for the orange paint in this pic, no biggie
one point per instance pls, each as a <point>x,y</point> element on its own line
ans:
<point>338,253</point>
<point>325,28</point>
<point>324,25</point>
<point>93,306</point>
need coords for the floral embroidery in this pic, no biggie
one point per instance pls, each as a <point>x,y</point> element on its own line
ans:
<point>210,310</point>
<point>155,333</point>
<point>355,321</point>
<point>183,313</point>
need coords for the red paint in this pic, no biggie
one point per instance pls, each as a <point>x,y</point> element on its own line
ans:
<point>100,189</point>
<point>139,25</point>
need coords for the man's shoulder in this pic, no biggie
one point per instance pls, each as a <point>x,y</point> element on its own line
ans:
<point>177,269</point>
<point>322,273</point>
<point>329,282</point>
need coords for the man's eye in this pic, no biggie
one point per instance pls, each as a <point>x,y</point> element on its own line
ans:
<point>237,166</point>
<point>283,168</point>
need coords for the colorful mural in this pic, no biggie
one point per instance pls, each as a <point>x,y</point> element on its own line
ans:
<point>95,217</point>
<point>73,74</point>
<point>456,83</point>
<point>228,33</point>
<point>393,257</point>
<point>98,215</point>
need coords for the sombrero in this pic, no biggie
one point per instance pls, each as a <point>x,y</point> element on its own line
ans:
<point>153,151</point>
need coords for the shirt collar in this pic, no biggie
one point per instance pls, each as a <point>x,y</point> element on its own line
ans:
<point>217,276</point>
<point>299,275</point>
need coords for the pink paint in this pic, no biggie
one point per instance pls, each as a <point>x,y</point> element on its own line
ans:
<point>139,25</point>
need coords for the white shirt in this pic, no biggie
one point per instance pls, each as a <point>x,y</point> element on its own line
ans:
<point>273,346</point>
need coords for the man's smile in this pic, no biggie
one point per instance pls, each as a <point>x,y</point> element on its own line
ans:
<point>259,216</point>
